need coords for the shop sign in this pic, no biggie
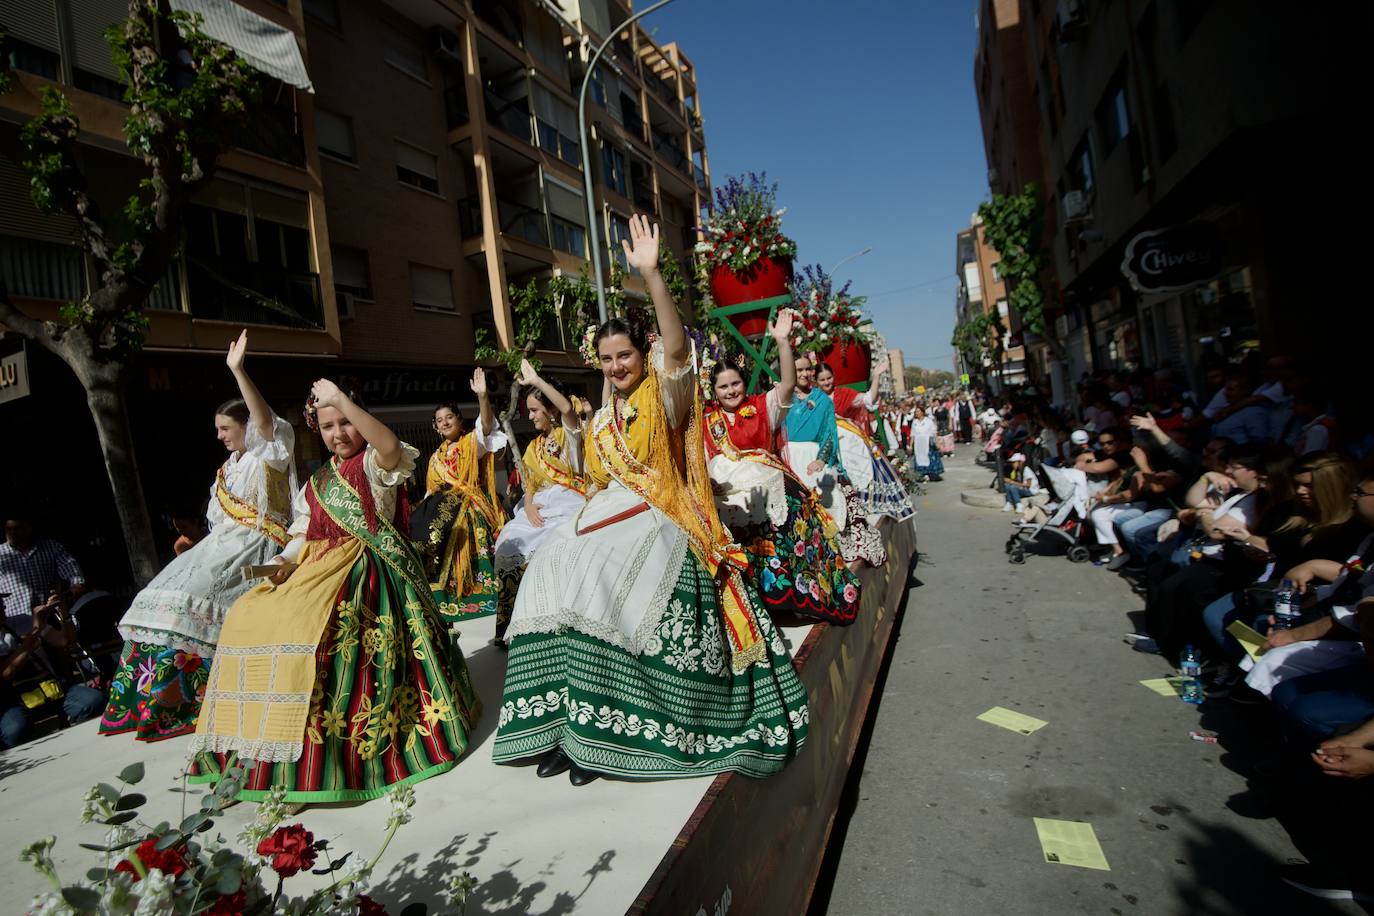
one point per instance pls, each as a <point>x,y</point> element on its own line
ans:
<point>14,377</point>
<point>1172,259</point>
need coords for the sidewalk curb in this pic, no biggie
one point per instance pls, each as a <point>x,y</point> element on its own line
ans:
<point>986,498</point>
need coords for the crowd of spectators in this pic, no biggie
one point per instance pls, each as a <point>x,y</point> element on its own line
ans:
<point>1213,503</point>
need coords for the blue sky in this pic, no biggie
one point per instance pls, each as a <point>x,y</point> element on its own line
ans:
<point>865,115</point>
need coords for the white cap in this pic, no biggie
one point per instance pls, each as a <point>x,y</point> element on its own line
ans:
<point>1079,437</point>
<point>1019,456</point>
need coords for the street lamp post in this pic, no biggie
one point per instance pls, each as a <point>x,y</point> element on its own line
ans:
<point>846,260</point>
<point>593,232</point>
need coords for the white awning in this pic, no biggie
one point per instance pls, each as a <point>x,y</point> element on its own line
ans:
<point>262,43</point>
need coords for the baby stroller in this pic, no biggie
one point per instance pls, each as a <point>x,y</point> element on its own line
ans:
<point>1068,521</point>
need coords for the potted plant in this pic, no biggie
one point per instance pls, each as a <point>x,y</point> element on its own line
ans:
<point>745,254</point>
<point>832,326</point>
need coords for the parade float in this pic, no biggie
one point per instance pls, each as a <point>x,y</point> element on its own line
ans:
<point>489,838</point>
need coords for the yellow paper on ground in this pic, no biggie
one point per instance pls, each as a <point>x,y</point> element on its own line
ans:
<point>1070,843</point>
<point>1248,637</point>
<point>1012,720</point>
<point>1166,686</point>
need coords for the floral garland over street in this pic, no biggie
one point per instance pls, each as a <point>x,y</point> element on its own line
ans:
<point>826,315</point>
<point>745,226</point>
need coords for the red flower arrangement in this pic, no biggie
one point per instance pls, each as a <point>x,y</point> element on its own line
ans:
<point>290,848</point>
<point>168,861</point>
<point>229,904</point>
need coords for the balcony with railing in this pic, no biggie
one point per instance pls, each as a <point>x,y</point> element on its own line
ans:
<point>669,149</point>
<point>514,220</point>
<point>556,143</point>
<point>254,294</point>
<point>624,53</point>
<point>274,132</point>
<point>700,175</point>
<point>456,105</point>
<point>666,90</point>
<point>631,117</point>
<point>38,269</point>
<point>511,115</point>
<point>523,221</point>
<point>644,197</point>
<point>503,16</point>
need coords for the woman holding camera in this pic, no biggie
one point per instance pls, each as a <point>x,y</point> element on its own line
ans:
<point>171,628</point>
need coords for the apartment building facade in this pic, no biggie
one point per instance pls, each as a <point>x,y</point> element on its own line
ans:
<point>982,291</point>
<point>1173,132</point>
<point>364,230</point>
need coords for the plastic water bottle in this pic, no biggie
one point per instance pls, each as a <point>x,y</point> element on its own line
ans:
<point>1191,667</point>
<point>1286,610</point>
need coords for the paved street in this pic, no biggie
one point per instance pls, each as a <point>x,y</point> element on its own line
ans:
<point>943,819</point>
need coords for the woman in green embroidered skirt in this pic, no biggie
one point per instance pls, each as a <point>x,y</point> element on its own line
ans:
<point>337,680</point>
<point>636,647</point>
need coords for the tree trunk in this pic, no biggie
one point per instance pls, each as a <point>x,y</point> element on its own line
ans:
<point>506,420</point>
<point>105,397</point>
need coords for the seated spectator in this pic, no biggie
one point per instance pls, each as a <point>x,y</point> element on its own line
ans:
<point>190,529</point>
<point>1328,640</point>
<point>1331,531</point>
<point>1156,486</point>
<point>1020,482</point>
<point>36,671</point>
<point>1105,464</point>
<point>1261,502</point>
<point>1243,419</point>
<point>30,568</point>
<point>1311,428</point>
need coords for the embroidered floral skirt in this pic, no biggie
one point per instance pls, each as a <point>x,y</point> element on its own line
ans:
<point>669,706</point>
<point>468,556</point>
<point>156,692</point>
<point>859,540</point>
<point>798,567</point>
<point>392,701</point>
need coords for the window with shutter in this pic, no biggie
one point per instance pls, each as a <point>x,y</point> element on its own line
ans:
<point>564,202</point>
<point>351,273</point>
<point>326,11</point>
<point>89,20</point>
<point>431,287</point>
<point>405,54</point>
<point>417,168</point>
<point>334,135</point>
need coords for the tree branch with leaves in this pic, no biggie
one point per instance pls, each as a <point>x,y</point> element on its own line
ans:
<point>1014,225</point>
<point>186,95</point>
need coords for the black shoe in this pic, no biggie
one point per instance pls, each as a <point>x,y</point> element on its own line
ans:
<point>1225,681</point>
<point>554,762</point>
<point>580,777</point>
<point>1245,695</point>
<point>935,478</point>
<point>1325,883</point>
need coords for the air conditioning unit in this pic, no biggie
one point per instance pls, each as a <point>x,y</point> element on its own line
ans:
<point>345,303</point>
<point>1075,205</point>
<point>445,45</point>
<point>1071,16</point>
